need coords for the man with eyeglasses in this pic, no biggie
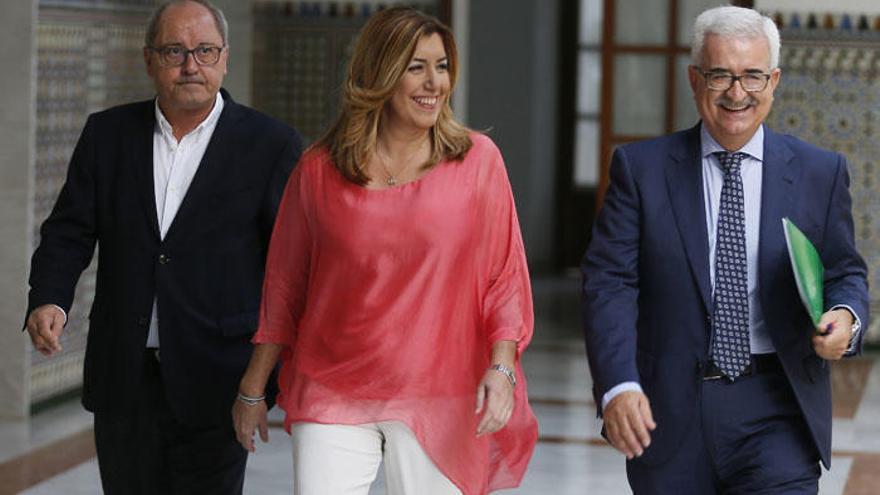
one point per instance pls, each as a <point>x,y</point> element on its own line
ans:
<point>709,373</point>
<point>179,193</point>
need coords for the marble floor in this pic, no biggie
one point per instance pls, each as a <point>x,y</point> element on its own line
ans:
<point>53,453</point>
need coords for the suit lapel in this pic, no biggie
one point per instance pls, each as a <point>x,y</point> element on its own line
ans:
<point>777,194</point>
<point>211,169</point>
<point>142,156</point>
<point>684,184</point>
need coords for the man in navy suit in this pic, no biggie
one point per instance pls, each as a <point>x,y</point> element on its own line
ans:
<point>180,195</point>
<point>708,372</point>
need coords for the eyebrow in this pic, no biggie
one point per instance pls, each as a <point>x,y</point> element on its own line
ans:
<point>721,70</point>
<point>425,61</point>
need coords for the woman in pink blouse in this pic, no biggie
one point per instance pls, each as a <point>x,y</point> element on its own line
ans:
<point>397,295</point>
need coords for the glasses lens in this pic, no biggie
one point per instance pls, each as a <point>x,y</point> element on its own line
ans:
<point>719,82</point>
<point>173,55</point>
<point>207,55</point>
<point>753,82</point>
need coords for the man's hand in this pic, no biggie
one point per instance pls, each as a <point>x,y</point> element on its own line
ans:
<point>44,325</point>
<point>628,421</point>
<point>833,334</point>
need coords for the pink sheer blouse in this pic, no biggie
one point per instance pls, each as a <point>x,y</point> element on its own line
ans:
<point>388,301</point>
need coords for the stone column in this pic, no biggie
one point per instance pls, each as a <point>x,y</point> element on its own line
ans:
<point>18,56</point>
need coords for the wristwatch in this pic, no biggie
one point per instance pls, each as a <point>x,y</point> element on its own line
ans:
<point>511,376</point>
<point>854,333</point>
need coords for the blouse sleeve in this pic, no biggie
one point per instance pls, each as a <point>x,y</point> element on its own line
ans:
<point>507,300</point>
<point>287,268</point>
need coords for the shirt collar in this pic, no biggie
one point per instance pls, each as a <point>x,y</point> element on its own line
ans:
<point>212,117</point>
<point>754,147</point>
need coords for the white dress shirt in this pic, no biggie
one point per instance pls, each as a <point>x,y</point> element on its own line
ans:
<point>174,165</point>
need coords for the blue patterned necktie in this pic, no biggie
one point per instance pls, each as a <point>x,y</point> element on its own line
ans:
<point>730,323</point>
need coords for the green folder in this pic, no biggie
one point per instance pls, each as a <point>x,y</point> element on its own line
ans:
<point>807,267</point>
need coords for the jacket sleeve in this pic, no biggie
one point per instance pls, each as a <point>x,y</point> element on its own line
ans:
<point>284,163</point>
<point>845,271</point>
<point>610,283</point>
<point>69,234</point>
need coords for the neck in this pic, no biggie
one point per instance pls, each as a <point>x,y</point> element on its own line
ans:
<point>400,143</point>
<point>183,121</point>
<point>734,143</point>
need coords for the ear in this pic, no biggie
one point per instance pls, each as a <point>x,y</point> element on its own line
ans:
<point>693,76</point>
<point>148,61</point>
<point>775,76</point>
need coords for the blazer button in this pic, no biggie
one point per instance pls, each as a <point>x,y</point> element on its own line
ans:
<point>143,321</point>
<point>163,259</point>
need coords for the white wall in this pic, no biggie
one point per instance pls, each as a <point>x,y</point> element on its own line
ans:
<point>870,7</point>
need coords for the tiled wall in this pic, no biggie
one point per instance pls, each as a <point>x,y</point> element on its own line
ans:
<point>88,58</point>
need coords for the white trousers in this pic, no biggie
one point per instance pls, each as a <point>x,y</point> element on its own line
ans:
<point>344,460</point>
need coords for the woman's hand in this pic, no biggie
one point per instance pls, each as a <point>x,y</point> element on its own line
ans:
<point>495,392</point>
<point>249,417</point>
<point>249,410</point>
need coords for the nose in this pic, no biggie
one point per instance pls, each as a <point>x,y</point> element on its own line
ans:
<point>190,66</point>
<point>736,91</point>
<point>430,78</point>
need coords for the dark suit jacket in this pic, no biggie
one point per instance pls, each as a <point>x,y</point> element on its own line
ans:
<point>647,295</point>
<point>206,274</point>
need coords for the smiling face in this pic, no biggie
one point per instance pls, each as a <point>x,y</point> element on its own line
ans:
<point>422,91</point>
<point>733,116</point>
<point>190,87</point>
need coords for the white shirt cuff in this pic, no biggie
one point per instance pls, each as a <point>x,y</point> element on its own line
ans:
<point>619,389</point>
<point>65,312</point>
<point>855,336</point>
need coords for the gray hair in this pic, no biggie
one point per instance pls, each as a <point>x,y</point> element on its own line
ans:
<point>734,22</point>
<point>156,16</point>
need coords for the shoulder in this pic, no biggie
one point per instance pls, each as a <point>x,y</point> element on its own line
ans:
<point>258,123</point>
<point>803,151</point>
<point>314,163</point>
<point>484,153</point>
<point>484,164</point>
<point>649,159</point>
<point>124,114</point>
<point>675,143</point>
<point>483,145</point>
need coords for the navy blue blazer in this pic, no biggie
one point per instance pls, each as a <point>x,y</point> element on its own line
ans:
<point>647,303</point>
<point>206,275</point>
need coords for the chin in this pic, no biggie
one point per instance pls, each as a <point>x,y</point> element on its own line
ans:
<point>193,101</point>
<point>427,122</point>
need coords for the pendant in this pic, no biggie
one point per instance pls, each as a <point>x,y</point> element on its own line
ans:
<point>391,181</point>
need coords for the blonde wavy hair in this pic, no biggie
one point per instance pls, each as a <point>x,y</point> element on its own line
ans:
<point>381,55</point>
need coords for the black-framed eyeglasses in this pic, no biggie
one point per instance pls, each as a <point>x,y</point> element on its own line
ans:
<point>752,82</point>
<point>175,55</point>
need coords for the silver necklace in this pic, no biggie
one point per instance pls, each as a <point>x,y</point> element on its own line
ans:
<point>391,179</point>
